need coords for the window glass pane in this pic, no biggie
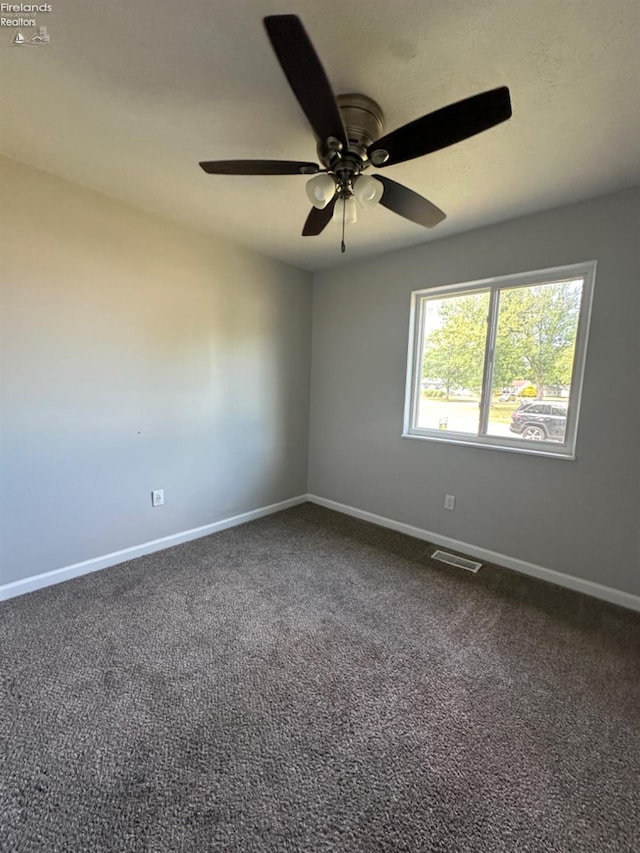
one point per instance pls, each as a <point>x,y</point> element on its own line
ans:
<point>452,361</point>
<point>535,344</point>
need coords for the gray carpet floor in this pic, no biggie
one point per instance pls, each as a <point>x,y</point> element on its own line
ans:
<point>310,682</point>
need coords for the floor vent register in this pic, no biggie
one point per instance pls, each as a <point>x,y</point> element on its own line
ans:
<point>454,560</point>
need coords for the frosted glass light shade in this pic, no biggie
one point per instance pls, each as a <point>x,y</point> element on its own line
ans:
<point>350,211</point>
<point>368,190</point>
<point>320,190</point>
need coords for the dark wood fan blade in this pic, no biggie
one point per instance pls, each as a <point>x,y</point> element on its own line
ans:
<point>259,167</point>
<point>306,75</point>
<point>442,128</point>
<point>317,220</point>
<point>407,203</point>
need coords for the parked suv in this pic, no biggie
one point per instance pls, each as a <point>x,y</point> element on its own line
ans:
<point>540,421</point>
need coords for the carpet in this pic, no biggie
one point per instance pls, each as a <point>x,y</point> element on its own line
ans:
<point>311,682</point>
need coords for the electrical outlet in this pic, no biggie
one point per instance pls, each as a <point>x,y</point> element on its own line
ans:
<point>449,501</point>
<point>157,497</point>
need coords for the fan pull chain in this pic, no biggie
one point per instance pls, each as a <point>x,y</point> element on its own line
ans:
<point>343,248</point>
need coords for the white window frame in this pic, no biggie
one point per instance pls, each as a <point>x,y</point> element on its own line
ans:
<point>564,450</point>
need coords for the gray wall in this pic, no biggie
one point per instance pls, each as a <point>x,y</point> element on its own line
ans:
<point>580,517</point>
<point>138,355</point>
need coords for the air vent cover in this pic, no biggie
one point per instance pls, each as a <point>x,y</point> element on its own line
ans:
<point>454,560</point>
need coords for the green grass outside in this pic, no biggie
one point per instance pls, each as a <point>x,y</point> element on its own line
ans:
<point>499,413</point>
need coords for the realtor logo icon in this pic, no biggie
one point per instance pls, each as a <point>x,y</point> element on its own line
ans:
<point>41,38</point>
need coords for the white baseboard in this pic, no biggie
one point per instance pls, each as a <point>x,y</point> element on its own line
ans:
<point>596,590</point>
<point>10,590</point>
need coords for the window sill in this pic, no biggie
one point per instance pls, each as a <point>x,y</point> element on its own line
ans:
<point>530,449</point>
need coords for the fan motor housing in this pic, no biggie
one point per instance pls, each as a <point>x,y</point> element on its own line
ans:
<point>363,120</point>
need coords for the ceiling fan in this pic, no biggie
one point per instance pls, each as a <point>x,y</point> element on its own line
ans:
<point>349,137</point>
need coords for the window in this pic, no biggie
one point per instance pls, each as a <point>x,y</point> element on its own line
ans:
<point>499,363</point>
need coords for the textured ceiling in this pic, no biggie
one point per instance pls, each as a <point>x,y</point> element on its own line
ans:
<point>129,95</point>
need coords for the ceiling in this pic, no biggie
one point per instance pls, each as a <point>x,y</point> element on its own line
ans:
<point>128,96</point>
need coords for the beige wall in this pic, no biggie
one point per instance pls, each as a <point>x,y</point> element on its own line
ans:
<point>136,355</point>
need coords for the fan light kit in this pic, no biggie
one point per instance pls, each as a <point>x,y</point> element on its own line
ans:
<point>349,139</point>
